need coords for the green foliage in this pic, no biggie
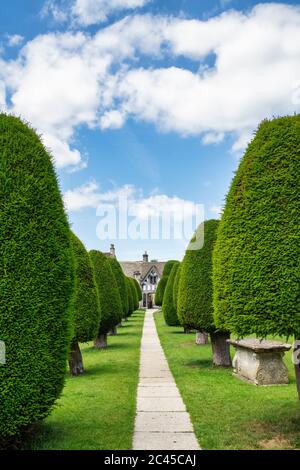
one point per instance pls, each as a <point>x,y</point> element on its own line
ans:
<point>256,272</point>
<point>138,289</point>
<point>86,302</point>
<point>134,294</point>
<point>159,293</point>
<point>36,279</point>
<point>130,297</point>
<point>168,267</point>
<point>195,297</point>
<point>176,287</point>
<point>110,302</point>
<point>168,306</point>
<point>120,278</point>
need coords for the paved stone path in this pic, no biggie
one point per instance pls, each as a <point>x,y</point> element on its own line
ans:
<point>162,422</point>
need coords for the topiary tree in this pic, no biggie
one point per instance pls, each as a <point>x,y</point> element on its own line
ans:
<point>160,290</point>
<point>168,267</point>
<point>110,302</point>
<point>257,253</point>
<point>138,290</point>
<point>120,279</point>
<point>176,287</point>
<point>195,300</point>
<point>130,297</point>
<point>159,293</point>
<point>168,306</point>
<point>86,305</point>
<point>134,294</point>
<point>36,279</point>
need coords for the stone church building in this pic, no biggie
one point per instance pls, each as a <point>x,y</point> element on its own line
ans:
<point>147,273</point>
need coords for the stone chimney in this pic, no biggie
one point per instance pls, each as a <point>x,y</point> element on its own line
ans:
<point>145,257</point>
<point>112,250</point>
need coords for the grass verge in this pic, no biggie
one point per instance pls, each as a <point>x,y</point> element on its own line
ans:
<point>97,409</point>
<point>226,412</point>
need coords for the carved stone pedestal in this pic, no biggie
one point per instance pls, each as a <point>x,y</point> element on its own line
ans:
<point>260,362</point>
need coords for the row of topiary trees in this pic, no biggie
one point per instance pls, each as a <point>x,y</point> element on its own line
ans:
<point>54,294</point>
<point>246,277</point>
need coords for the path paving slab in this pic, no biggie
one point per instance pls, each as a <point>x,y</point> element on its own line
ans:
<point>165,441</point>
<point>162,422</point>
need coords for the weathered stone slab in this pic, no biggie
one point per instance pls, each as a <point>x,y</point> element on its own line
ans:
<point>160,404</point>
<point>260,362</point>
<point>164,392</point>
<point>163,422</point>
<point>165,441</point>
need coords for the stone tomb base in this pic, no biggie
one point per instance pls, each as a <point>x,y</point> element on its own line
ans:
<point>260,362</point>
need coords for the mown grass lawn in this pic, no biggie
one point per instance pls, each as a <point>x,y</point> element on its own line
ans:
<point>97,410</point>
<point>226,412</point>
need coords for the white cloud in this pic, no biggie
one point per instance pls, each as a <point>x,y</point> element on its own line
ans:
<point>88,12</point>
<point>15,40</point>
<point>216,210</point>
<point>61,81</point>
<point>143,207</point>
<point>213,138</point>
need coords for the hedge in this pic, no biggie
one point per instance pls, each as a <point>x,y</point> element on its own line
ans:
<point>86,303</point>
<point>168,267</point>
<point>36,279</point>
<point>138,289</point>
<point>110,302</point>
<point>168,307</point>
<point>159,293</point>
<point>120,279</point>
<point>130,297</point>
<point>195,297</point>
<point>134,294</point>
<point>176,287</point>
<point>256,272</point>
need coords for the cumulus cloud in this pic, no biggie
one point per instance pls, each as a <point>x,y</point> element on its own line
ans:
<point>247,65</point>
<point>15,40</point>
<point>88,12</point>
<point>143,207</point>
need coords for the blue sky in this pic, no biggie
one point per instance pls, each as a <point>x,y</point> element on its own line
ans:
<point>155,100</point>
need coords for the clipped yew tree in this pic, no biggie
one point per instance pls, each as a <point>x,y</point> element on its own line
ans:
<point>36,280</point>
<point>257,253</point>
<point>135,297</point>
<point>160,290</point>
<point>130,297</point>
<point>109,297</point>
<point>120,279</point>
<point>86,305</point>
<point>176,287</point>
<point>195,299</point>
<point>169,308</point>
<point>138,289</point>
<point>159,294</point>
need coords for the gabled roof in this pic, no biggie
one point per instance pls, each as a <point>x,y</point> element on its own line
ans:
<point>132,267</point>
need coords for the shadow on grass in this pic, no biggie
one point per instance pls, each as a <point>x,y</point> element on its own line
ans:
<point>200,363</point>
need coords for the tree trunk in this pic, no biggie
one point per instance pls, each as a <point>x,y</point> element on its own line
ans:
<point>201,337</point>
<point>100,342</point>
<point>75,360</point>
<point>113,331</point>
<point>220,349</point>
<point>296,360</point>
<point>187,330</point>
